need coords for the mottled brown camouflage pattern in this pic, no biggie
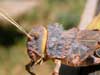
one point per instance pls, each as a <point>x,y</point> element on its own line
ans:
<point>34,45</point>
<point>64,44</point>
<point>81,42</point>
<point>55,43</point>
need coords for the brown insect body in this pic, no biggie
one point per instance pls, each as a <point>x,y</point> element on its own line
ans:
<point>64,45</point>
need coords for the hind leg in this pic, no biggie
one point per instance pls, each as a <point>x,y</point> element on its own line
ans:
<point>28,67</point>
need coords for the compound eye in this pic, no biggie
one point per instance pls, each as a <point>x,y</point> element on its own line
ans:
<point>97,52</point>
<point>35,35</point>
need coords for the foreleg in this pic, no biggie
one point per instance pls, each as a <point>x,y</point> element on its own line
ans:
<point>28,68</point>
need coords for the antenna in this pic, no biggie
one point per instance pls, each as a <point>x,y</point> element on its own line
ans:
<point>12,21</point>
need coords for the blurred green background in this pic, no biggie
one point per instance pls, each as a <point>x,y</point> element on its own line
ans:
<point>13,52</point>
